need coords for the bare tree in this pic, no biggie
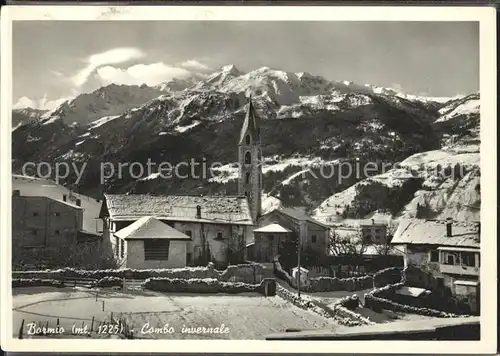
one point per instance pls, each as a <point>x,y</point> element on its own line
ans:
<point>351,244</point>
<point>385,248</point>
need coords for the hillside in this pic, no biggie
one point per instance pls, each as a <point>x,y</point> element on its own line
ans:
<point>309,125</point>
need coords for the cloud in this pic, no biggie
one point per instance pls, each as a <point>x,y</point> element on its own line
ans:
<point>56,73</point>
<point>397,87</point>
<point>149,74</point>
<point>41,104</point>
<point>193,64</point>
<point>112,56</point>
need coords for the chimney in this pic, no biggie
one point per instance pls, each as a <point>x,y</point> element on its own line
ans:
<point>373,221</point>
<point>449,223</point>
<point>79,202</point>
<point>65,197</point>
<point>16,193</point>
<point>198,212</point>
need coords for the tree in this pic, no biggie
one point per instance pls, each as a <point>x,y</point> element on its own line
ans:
<point>351,244</point>
<point>385,248</point>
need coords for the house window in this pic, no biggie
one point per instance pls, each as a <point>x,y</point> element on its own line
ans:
<point>246,194</point>
<point>57,214</point>
<point>248,158</point>
<point>58,232</point>
<point>468,259</point>
<point>247,178</point>
<point>122,248</point>
<point>189,233</point>
<point>35,213</point>
<point>434,256</point>
<point>156,249</point>
<point>219,236</point>
<point>247,139</point>
<point>34,231</point>
<point>313,238</point>
<point>450,259</point>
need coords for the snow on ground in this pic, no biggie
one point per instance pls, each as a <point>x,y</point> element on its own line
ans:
<point>102,121</point>
<point>269,203</point>
<point>51,120</point>
<point>247,316</point>
<point>188,127</point>
<point>466,108</point>
<point>152,176</point>
<point>467,156</point>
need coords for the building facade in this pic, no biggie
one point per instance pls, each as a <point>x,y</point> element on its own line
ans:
<point>449,251</point>
<point>295,224</point>
<point>218,226</point>
<point>374,233</point>
<point>43,229</point>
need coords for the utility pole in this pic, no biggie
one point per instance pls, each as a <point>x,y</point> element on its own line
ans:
<point>298,264</point>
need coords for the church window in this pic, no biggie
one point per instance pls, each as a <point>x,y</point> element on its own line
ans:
<point>247,178</point>
<point>248,158</point>
<point>247,139</point>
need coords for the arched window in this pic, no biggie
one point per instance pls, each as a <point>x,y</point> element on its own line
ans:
<point>247,178</point>
<point>248,158</point>
<point>247,139</point>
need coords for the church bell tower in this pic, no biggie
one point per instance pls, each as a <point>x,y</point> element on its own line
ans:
<point>250,162</point>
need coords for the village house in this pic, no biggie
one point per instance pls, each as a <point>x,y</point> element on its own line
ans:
<point>374,232</point>
<point>203,228</point>
<point>283,223</point>
<point>448,250</point>
<point>40,222</point>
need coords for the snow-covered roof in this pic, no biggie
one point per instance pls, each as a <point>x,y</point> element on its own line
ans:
<point>214,209</point>
<point>273,228</point>
<point>411,291</point>
<point>433,232</point>
<point>296,213</point>
<point>149,227</point>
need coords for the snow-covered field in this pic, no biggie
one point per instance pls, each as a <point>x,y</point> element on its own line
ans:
<point>247,316</point>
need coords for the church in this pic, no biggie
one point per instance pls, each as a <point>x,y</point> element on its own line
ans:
<point>172,231</point>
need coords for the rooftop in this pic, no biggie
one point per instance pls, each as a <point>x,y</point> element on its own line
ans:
<point>150,228</point>
<point>297,213</point>
<point>273,228</point>
<point>214,209</point>
<point>433,232</point>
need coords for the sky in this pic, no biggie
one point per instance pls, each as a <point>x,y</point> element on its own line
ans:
<point>57,60</point>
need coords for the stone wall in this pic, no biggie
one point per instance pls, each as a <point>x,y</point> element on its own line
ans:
<point>387,276</point>
<point>341,314</point>
<point>331,284</point>
<point>208,286</point>
<point>246,273</point>
<point>379,299</point>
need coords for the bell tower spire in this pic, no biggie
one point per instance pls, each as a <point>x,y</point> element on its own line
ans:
<point>250,162</point>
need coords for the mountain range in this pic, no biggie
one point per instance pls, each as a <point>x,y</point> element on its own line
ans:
<point>308,123</point>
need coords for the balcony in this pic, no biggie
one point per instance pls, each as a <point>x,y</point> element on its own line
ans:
<point>459,269</point>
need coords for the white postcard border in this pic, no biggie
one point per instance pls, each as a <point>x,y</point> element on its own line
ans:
<point>485,16</point>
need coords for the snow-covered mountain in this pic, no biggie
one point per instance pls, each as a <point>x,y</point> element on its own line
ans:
<point>307,122</point>
<point>25,115</point>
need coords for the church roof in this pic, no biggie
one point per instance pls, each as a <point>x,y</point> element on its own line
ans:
<point>250,125</point>
<point>148,227</point>
<point>214,209</point>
